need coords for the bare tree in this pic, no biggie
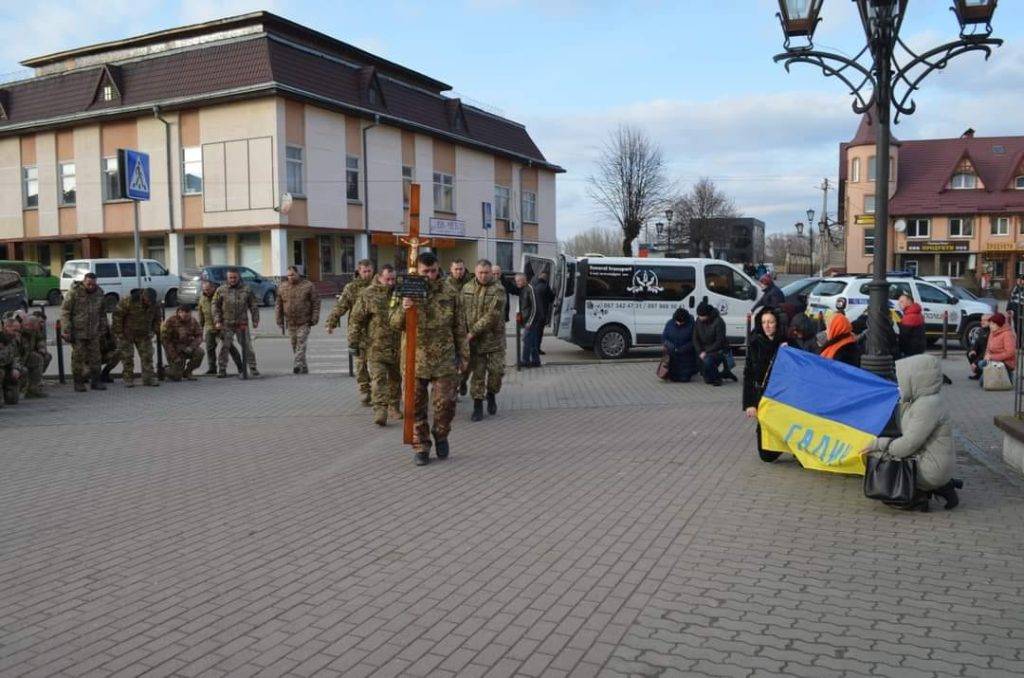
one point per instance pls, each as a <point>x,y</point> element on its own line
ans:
<point>595,240</point>
<point>778,245</point>
<point>693,209</point>
<point>630,182</point>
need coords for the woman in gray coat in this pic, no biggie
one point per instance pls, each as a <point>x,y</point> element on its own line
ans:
<point>926,431</point>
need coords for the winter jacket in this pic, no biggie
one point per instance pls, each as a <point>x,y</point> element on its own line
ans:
<point>528,308</point>
<point>440,331</point>
<point>927,436</point>
<point>369,325</point>
<point>677,341</point>
<point>484,305</point>
<point>133,318</point>
<point>709,337</point>
<point>773,297</point>
<point>979,346</point>
<point>761,352</point>
<point>232,306</point>
<point>545,298</point>
<point>1002,347</point>
<point>83,314</point>
<point>297,303</point>
<point>912,339</point>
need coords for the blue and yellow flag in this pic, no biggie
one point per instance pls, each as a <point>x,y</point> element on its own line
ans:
<point>823,411</point>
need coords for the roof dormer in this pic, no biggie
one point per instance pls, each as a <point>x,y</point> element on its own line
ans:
<point>108,86</point>
<point>5,104</point>
<point>370,89</point>
<point>964,176</point>
<point>456,116</point>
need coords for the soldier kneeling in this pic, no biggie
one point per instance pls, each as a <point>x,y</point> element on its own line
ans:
<point>183,341</point>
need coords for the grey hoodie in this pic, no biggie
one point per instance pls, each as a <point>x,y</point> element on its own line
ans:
<point>926,432</point>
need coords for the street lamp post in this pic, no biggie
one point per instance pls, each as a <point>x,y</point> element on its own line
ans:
<point>882,77</point>
<point>668,228</point>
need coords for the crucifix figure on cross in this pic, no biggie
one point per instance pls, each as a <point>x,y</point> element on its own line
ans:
<point>436,350</point>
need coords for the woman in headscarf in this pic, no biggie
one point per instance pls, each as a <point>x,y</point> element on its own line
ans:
<point>840,342</point>
<point>677,340</point>
<point>803,333</point>
<point>765,339</point>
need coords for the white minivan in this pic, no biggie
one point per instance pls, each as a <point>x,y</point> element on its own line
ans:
<point>612,304</point>
<point>117,278</point>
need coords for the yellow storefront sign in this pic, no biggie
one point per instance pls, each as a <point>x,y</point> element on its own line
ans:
<point>864,220</point>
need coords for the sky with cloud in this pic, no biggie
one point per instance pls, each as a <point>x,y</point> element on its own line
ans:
<point>697,76</point>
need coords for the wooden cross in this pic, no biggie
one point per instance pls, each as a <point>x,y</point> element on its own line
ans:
<point>413,241</point>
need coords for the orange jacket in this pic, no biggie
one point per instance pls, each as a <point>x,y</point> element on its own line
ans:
<point>1002,346</point>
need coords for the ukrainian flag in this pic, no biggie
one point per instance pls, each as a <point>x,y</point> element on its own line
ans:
<point>822,411</point>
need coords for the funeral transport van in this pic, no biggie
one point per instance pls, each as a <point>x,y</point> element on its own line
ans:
<point>612,304</point>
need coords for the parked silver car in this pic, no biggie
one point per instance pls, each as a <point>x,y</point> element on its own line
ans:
<point>192,279</point>
<point>12,292</point>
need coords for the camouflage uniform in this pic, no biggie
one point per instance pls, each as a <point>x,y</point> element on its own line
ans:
<point>344,304</point>
<point>84,318</point>
<point>440,344</point>
<point>10,360</point>
<point>134,322</point>
<point>231,309</point>
<point>110,356</point>
<point>370,332</point>
<point>183,342</point>
<point>484,305</point>
<point>36,359</point>
<point>299,305</point>
<point>456,285</point>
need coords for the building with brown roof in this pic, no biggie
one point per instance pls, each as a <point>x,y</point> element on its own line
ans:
<point>237,112</point>
<point>959,204</point>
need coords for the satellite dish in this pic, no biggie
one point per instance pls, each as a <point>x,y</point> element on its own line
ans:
<point>900,226</point>
<point>285,205</point>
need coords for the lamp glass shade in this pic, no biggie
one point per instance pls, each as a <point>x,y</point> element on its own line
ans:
<point>799,17</point>
<point>799,228</point>
<point>974,11</point>
<point>659,227</point>
<point>810,216</point>
<point>668,215</point>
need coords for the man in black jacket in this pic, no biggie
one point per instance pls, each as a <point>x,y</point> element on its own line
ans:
<point>711,344</point>
<point>545,298</point>
<point>976,351</point>
<point>772,296</point>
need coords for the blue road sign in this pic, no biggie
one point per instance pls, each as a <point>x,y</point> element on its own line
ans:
<point>136,175</point>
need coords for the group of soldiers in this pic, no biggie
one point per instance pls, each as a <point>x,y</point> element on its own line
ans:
<point>460,337</point>
<point>99,345</point>
<point>23,356</point>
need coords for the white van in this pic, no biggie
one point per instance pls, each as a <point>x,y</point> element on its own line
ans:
<point>117,278</point>
<point>611,304</point>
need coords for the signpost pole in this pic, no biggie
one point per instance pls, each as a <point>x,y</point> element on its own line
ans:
<point>138,248</point>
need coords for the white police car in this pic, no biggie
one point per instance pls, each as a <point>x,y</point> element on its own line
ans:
<point>964,315</point>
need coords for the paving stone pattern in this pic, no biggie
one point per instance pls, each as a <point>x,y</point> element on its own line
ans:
<point>601,524</point>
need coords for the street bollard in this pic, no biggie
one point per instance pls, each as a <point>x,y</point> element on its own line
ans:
<point>519,342</point>
<point>60,352</point>
<point>746,336</point>
<point>351,364</point>
<point>945,333</point>
<point>160,347</point>
<point>244,334</point>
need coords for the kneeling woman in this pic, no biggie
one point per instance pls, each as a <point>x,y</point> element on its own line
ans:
<point>926,432</point>
<point>764,343</point>
<point>677,340</point>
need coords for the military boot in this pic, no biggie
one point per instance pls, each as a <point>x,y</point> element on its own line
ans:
<point>478,410</point>
<point>35,393</point>
<point>380,417</point>
<point>211,362</point>
<point>222,374</point>
<point>80,386</point>
<point>441,448</point>
<point>96,383</point>
<point>11,395</point>
<point>105,374</point>
<point>394,413</point>
<point>365,398</point>
<point>150,381</point>
<point>421,458</point>
<point>492,405</point>
<point>188,376</point>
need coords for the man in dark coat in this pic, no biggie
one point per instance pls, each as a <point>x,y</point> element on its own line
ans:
<point>976,351</point>
<point>677,340</point>
<point>545,299</point>
<point>772,296</point>
<point>711,344</point>
<point>912,339</point>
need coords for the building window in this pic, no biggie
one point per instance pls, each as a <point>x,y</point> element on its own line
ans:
<point>871,168</point>
<point>192,170</point>
<point>501,200</point>
<point>529,207</point>
<point>911,266</point>
<point>963,180</point>
<point>998,268</point>
<point>855,171</point>
<point>1018,183</point>
<point>155,249</point>
<point>68,183</point>
<point>869,204</point>
<point>530,248</point>
<point>108,93</point>
<point>955,268</point>
<point>250,251</point>
<point>299,254</point>
<point>503,255</point>
<point>352,177</point>
<point>326,255</point>
<point>348,253</point>
<point>216,250</point>
<point>293,170</point>
<point>918,228</point>
<point>869,241</point>
<point>30,186</point>
<point>111,180</point>
<point>961,227</point>
<point>1001,226</point>
<point>190,252</point>
<point>407,172</point>
<point>444,192</point>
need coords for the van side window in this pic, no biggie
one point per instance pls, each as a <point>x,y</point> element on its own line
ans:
<point>931,295</point>
<point>74,269</point>
<point>609,282</point>
<point>725,281</point>
<point>127,270</point>
<point>570,281</point>
<point>676,282</point>
<point>106,270</point>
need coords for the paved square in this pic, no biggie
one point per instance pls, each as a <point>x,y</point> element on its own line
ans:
<point>602,524</point>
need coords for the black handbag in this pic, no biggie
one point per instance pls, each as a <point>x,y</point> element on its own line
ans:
<point>889,479</point>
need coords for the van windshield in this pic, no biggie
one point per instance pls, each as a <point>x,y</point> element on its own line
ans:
<point>74,269</point>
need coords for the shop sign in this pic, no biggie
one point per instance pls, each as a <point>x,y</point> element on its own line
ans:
<point>864,220</point>
<point>938,246</point>
<point>447,227</point>
<point>1003,247</point>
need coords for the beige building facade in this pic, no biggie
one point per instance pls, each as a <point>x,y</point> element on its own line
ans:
<point>223,162</point>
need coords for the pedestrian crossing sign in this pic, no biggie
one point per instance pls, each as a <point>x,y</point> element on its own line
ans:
<point>133,166</point>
